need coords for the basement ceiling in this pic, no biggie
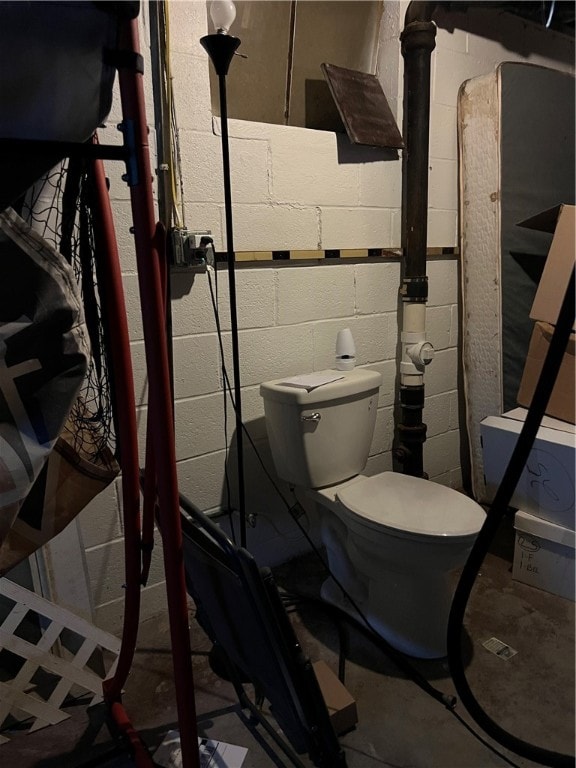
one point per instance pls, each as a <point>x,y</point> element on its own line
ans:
<point>557,15</point>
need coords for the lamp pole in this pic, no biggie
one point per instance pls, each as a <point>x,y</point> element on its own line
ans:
<point>221,47</point>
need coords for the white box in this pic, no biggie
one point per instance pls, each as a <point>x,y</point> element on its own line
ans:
<point>546,486</point>
<point>544,555</point>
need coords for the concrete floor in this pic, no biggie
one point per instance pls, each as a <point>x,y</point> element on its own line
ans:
<point>400,726</point>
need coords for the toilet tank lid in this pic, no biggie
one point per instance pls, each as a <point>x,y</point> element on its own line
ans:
<point>413,505</point>
<point>353,382</point>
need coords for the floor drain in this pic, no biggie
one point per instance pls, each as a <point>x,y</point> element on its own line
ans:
<point>498,648</point>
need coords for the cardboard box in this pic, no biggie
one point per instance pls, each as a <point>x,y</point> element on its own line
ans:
<point>340,703</point>
<point>546,486</point>
<point>561,404</point>
<point>561,220</point>
<point>544,555</point>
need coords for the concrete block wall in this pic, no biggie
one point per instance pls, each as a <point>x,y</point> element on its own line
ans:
<point>292,190</point>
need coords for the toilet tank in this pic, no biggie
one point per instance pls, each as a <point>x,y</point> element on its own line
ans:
<point>323,436</point>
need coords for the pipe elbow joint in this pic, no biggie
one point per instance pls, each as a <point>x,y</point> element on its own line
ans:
<point>419,29</point>
<point>418,35</point>
<point>419,10</point>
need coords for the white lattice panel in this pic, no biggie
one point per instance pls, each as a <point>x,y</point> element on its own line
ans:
<point>68,665</point>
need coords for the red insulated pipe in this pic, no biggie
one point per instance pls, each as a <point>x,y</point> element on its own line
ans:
<point>115,311</point>
<point>160,399</point>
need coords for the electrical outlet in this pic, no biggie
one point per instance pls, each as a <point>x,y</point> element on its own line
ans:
<point>195,237</point>
<point>199,244</point>
<point>190,247</point>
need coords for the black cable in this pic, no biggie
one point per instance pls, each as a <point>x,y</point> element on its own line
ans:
<point>214,298</point>
<point>225,385</point>
<point>498,509</point>
<point>482,740</point>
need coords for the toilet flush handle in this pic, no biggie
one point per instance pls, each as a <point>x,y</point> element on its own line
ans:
<point>311,417</point>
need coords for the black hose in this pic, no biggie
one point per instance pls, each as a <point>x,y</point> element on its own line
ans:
<point>495,515</point>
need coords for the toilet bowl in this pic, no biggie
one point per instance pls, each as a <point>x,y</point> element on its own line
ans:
<point>393,542</point>
<point>396,541</point>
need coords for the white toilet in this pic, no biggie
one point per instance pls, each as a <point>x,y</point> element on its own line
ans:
<point>393,541</point>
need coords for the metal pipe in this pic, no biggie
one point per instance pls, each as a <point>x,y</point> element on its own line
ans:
<point>115,309</point>
<point>125,407</point>
<point>164,158</point>
<point>161,111</point>
<point>418,41</point>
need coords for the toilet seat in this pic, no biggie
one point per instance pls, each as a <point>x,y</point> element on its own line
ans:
<point>411,506</point>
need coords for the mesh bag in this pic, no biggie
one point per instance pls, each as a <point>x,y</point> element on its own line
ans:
<point>56,425</point>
